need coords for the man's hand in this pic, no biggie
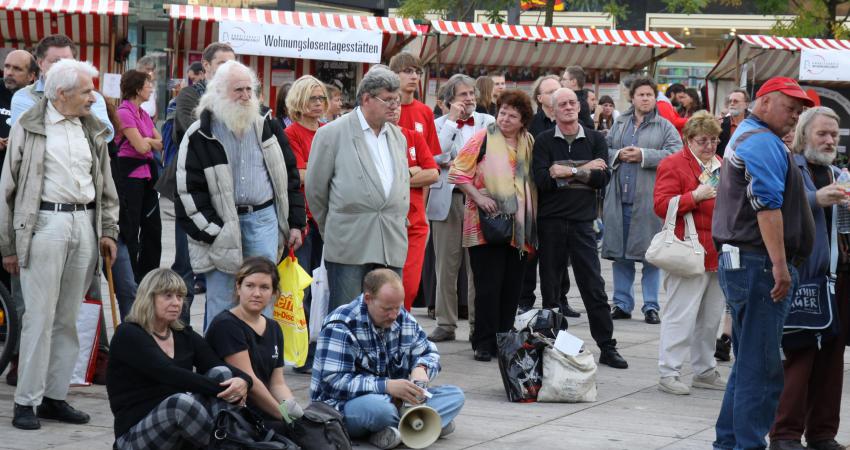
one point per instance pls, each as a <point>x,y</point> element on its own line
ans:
<point>3,143</point>
<point>630,154</point>
<point>404,390</point>
<point>10,263</point>
<point>704,192</point>
<point>295,239</point>
<point>559,171</point>
<point>596,164</point>
<point>108,249</point>
<point>414,170</point>
<point>829,195</point>
<point>419,374</point>
<point>782,282</point>
<point>456,111</point>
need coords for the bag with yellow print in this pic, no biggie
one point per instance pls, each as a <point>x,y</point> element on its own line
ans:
<point>289,310</point>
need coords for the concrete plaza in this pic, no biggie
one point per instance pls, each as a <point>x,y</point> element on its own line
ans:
<point>630,412</point>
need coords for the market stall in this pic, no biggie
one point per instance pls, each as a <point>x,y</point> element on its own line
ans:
<point>284,45</point>
<point>96,26</point>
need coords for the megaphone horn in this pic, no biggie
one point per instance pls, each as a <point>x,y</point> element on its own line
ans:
<point>420,426</point>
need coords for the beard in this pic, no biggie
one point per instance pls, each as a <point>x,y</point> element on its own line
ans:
<point>820,158</point>
<point>236,116</point>
<point>734,112</point>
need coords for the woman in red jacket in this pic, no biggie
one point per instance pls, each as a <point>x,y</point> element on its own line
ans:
<point>694,304</point>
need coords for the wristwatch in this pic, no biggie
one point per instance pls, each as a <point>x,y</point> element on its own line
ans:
<point>573,170</point>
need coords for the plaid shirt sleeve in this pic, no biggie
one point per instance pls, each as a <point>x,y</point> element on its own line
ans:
<point>424,351</point>
<point>339,379</point>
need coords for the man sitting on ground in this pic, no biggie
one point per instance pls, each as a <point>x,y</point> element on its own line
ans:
<point>369,354</point>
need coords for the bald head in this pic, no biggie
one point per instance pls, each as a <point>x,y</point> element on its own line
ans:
<point>19,70</point>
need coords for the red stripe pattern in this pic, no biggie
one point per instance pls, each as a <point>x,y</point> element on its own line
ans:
<point>84,21</point>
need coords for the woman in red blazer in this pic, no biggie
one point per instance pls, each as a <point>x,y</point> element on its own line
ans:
<point>694,304</point>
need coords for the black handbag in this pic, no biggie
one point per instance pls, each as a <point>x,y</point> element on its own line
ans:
<point>496,228</point>
<point>241,428</point>
<point>321,428</point>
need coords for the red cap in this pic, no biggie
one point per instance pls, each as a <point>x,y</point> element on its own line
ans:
<point>786,86</point>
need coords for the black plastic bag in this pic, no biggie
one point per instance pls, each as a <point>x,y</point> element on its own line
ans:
<point>548,322</point>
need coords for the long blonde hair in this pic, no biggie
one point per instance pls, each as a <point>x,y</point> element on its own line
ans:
<point>156,282</point>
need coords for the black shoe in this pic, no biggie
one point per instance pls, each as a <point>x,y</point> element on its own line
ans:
<point>463,312</point>
<point>482,355</point>
<point>829,444</point>
<point>60,410</point>
<point>432,313</point>
<point>568,310</point>
<point>611,357</point>
<point>651,317</point>
<point>305,369</point>
<point>723,348</point>
<point>520,310</point>
<point>12,374</point>
<point>786,444</point>
<point>617,313</point>
<point>200,287</point>
<point>25,418</point>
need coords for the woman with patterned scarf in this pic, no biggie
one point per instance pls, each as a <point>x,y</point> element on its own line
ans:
<point>499,223</point>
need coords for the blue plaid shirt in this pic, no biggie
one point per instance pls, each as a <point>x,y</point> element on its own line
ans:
<point>353,358</point>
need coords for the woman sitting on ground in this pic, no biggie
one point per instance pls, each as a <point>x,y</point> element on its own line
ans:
<point>253,343</point>
<point>158,399</point>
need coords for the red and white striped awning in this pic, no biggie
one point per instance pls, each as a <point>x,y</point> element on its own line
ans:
<point>768,56</point>
<point>86,22</point>
<point>484,44</point>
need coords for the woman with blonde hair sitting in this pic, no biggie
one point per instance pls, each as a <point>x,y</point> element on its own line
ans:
<point>157,397</point>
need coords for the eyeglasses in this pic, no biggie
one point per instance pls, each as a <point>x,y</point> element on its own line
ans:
<point>704,142</point>
<point>413,70</point>
<point>318,98</point>
<point>392,103</point>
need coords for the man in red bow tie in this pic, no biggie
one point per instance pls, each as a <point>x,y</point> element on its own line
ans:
<point>445,204</point>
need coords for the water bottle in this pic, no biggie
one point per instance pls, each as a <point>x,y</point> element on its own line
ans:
<point>843,219</point>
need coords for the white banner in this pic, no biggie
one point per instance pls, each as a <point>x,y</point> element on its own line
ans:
<point>824,65</point>
<point>289,41</point>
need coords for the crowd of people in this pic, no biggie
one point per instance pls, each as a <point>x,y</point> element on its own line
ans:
<point>500,186</point>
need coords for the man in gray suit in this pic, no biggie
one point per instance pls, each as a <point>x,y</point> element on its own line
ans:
<point>445,204</point>
<point>358,188</point>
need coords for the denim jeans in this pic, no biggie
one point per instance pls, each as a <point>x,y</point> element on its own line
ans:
<point>183,267</point>
<point>373,412</point>
<point>123,279</point>
<point>259,238</point>
<point>755,383</point>
<point>309,257</point>
<point>345,281</point>
<point>624,276</point>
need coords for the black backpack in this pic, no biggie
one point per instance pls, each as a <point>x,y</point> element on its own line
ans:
<point>321,428</point>
<point>241,428</point>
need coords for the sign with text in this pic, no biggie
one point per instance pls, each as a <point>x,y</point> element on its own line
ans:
<point>290,41</point>
<point>824,65</point>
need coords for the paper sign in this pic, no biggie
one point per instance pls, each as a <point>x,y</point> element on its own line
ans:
<point>824,65</point>
<point>568,344</point>
<point>110,85</point>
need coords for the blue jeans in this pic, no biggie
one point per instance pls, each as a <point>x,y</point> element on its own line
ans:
<point>183,266</point>
<point>345,281</point>
<point>755,383</point>
<point>259,238</point>
<point>124,280</point>
<point>371,413</point>
<point>624,276</point>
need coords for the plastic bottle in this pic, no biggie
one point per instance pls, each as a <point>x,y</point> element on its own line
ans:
<point>843,218</point>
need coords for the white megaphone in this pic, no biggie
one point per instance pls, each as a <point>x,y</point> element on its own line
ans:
<point>420,426</point>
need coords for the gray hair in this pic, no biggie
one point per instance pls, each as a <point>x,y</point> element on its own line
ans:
<point>146,63</point>
<point>559,92</point>
<point>65,76</point>
<point>217,86</point>
<point>449,89</point>
<point>804,123</point>
<point>377,78</point>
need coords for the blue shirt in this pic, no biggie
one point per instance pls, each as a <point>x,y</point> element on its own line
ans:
<point>764,159</point>
<point>22,101</point>
<point>627,175</point>
<point>353,358</point>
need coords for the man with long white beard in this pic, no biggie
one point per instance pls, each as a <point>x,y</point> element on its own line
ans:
<point>810,404</point>
<point>231,185</point>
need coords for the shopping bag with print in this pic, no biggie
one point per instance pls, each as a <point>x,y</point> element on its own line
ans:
<point>319,302</point>
<point>289,310</point>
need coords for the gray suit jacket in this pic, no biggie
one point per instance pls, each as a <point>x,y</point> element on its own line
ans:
<point>451,141</point>
<point>359,224</point>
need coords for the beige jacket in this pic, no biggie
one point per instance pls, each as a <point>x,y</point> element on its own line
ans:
<point>22,180</point>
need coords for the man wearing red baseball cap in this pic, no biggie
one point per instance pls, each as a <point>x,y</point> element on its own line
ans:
<point>764,226</point>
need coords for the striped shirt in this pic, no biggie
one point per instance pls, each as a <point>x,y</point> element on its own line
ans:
<point>251,183</point>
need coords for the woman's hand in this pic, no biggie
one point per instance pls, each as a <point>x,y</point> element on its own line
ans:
<point>704,192</point>
<point>486,203</point>
<point>236,392</point>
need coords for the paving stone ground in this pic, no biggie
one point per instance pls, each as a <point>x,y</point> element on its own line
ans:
<point>630,412</point>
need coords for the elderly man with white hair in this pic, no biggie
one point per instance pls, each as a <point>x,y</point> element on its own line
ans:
<point>59,204</point>
<point>358,188</point>
<point>231,185</point>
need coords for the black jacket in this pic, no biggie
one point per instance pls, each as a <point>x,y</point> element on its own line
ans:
<point>584,113</point>
<point>540,123</point>
<point>726,133</point>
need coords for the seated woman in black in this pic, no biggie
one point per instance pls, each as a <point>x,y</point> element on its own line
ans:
<point>157,398</point>
<point>253,343</point>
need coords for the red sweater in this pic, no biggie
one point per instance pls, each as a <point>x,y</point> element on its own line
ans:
<point>667,111</point>
<point>418,154</point>
<point>678,174</point>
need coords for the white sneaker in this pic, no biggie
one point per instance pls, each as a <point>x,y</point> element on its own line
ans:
<point>385,439</point>
<point>710,380</point>
<point>672,385</point>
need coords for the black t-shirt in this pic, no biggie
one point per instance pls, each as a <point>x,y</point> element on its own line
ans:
<point>5,110</point>
<point>228,334</point>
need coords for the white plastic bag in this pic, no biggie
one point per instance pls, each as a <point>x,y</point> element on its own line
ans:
<point>568,379</point>
<point>88,327</point>
<point>320,297</point>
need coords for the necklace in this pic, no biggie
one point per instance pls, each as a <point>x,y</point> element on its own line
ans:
<point>162,337</point>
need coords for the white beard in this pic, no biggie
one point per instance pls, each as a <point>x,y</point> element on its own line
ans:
<point>818,157</point>
<point>237,117</point>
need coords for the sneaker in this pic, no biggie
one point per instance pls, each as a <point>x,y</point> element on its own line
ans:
<point>60,410</point>
<point>441,335</point>
<point>24,418</point>
<point>448,429</point>
<point>672,385</point>
<point>387,438</point>
<point>711,380</point>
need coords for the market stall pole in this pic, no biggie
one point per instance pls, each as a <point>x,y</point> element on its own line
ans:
<point>194,27</point>
<point>94,25</point>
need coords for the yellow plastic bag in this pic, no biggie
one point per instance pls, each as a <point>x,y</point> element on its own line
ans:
<point>289,310</point>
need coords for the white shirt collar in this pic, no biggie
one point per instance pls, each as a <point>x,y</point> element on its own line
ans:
<point>54,116</point>
<point>713,165</point>
<point>365,125</point>
<point>579,135</point>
